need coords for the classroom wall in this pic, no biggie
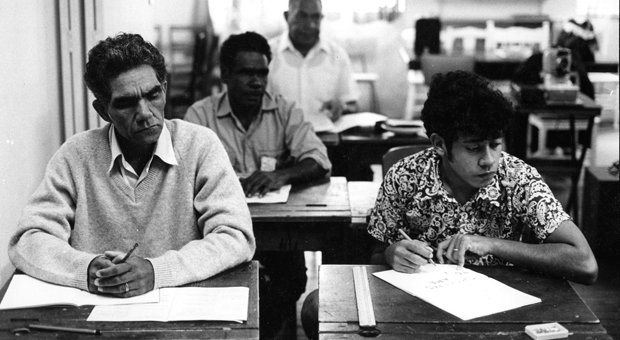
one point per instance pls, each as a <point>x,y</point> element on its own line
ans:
<point>30,123</point>
<point>120,16</point>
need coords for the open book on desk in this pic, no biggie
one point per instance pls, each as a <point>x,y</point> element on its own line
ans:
<point>27,292</point>
<point>463,293</point>
<point>183,304</point>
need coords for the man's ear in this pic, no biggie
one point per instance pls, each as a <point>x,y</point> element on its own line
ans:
<point>101,110</point>
<point>164,87</point>
<point>439,144</point>
<point>225,75</point>
<point>164,90</point>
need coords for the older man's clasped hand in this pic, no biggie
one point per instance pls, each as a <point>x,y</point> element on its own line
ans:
<point>108,275</point>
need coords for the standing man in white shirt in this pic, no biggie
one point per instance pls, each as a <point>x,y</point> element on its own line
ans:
<point>313,71</point>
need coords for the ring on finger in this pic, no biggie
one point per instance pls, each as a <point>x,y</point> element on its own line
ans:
<point>455,249</point>
<point>126,287</point>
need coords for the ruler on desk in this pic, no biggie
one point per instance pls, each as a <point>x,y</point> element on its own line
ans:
<point>365,312</point>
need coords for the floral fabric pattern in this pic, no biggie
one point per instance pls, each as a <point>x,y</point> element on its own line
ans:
<point>517,205</point>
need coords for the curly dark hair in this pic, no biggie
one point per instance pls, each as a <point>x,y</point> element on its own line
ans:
<point>244,42</point>
<point>464,103</point>
<point>115,55</point>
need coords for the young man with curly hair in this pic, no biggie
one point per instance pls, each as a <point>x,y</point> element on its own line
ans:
<point>465,197</point>
<point>473,202</point>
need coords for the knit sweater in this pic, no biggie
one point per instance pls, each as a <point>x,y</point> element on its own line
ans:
<point>190,219</point>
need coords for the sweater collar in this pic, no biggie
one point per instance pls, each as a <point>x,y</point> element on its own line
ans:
<point>163,149</point>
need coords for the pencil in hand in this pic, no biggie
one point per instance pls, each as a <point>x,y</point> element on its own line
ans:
<point>129,253</point>
<point>430,259</point>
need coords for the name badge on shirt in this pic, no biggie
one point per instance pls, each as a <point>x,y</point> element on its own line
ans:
<point>267,164</point>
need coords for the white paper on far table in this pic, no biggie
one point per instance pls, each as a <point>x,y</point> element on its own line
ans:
<point>351,120</point>
<point>321,122</point>
<point>462,293</point>
<point>183,304</point>
<point>274,196</point>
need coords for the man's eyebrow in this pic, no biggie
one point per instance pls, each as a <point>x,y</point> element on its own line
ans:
<point>253,70</point>
<point>479,140</point>
<point>130,97</point>
<point>155,89</point>
<point>474,140</point>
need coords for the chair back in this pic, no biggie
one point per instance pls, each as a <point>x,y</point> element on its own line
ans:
<point>468,40</point>
<point>433,64</point>
<point>397,153</point>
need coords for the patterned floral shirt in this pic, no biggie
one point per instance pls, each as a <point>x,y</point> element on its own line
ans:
<point>517,205</point>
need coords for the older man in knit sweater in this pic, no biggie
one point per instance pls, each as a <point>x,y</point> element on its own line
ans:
<point>166,185</point>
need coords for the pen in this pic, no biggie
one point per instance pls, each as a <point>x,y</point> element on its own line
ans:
<point>129,253</point>
<point>430,259</point>
<point>23,319</point>
<point>66,329</point>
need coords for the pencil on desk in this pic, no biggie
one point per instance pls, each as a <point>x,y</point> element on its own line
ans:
<point>129,253</point>
<point>65,329</point>
<point>430,259</point>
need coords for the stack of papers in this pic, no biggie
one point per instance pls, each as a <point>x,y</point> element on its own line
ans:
<point>404,127</point>
<point>322,123</point>
<point>460,292</point>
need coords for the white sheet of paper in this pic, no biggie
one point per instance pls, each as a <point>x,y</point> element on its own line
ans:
<point>321,122</point>
<point>350,120</point>
<point>275,196</point>
<point>26,292</point>
<point>462,293</point>
<point>183,304</point>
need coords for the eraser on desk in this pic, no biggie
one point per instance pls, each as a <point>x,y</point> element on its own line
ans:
<point>546,331</point>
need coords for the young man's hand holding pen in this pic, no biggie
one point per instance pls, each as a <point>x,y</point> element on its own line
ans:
<point>120,274</point>
<point>408,255</point>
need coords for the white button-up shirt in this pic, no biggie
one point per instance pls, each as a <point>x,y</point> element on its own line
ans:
<point>324,74</point>
<point>163,150</point>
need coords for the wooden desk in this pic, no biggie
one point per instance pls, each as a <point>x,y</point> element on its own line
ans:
<point>601,212</point>
<point>315,217</point>
<point>402,316</point>
<point>363,195</point>
<point>586,109</point>
<point>516,139</point>
<point>243,275</point>
<point>329,138</point>
<point>495,68</point>
<point>360,147</point>
<point>488,66</point>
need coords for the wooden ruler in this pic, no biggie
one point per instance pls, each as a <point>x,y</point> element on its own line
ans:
<point>365,312</point>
